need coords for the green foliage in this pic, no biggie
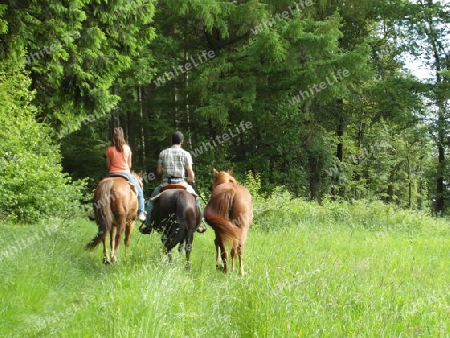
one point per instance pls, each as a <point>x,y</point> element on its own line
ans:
<point>253,184</point>
<point>281,210</point>
<point>32,184</point>
<point>280,70</point>
<point>75,52</point>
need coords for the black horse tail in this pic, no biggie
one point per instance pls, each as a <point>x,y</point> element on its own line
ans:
<point>102,211</point>
<point>95,241</point>
<point>185,213</point>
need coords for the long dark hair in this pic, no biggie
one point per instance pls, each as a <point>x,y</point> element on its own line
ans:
<point>118,141</point>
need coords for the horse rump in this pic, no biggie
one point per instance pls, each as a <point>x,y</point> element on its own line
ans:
<point>217,214</point>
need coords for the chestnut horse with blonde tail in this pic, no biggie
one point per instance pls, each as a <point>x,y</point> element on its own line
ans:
<point>115,208</point>
<point>229,212</point>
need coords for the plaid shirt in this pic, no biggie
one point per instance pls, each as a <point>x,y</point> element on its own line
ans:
<point>173,161</point>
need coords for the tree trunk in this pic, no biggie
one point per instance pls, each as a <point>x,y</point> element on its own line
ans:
<point>142,136</point>
<point>131,138</point>
<point>440,62</point>
<point>314,178</point>
<point>337,189</point>
<point>440,186</point>
<point>419,195</point>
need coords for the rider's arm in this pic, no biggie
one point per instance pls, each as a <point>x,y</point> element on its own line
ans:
<point>129,160</point>
<point>108,161</point>
<point>159,169</point>
<point>190,172</point>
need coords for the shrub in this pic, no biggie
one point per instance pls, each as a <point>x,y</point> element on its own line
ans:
<point>32,184</point>
<point>280,210</point>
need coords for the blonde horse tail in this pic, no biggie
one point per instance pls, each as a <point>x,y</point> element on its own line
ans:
<point>223,226</point>
<point>218,217</point>
<point>102,211</point>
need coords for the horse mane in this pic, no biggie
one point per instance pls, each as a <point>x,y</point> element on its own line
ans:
<point>222,177</point>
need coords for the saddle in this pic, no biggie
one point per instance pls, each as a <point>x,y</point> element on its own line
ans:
<point>172,186</point>
<point>132,186</point>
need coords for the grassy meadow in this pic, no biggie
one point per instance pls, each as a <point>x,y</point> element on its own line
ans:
<point>339,270</point>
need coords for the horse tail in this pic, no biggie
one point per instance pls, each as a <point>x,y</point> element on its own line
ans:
<point>216,214</point>
<point>222,225</point>
<point>102,211</point>
<point>185,213</point>
<point>95,241</point>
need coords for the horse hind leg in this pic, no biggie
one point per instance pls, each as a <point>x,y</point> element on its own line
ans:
<point>181,248</point>
<point>240,251</point>
<point>168,246</point>
<point>112,245</point>
<point>168,253</point>
<point>219,264</point>
<point>121,223</point>
<point>221,254</point>
<point>106,259</point>
<point>100,237</point>
<point>171,238</point>
<point>189,241</point>
<point>234,253</point>
<point>128,229</point>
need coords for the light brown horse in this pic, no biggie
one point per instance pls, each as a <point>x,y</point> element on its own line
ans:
<point>115,206</point>
<point>229,212</point>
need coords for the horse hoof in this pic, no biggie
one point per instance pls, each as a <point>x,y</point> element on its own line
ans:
<point>201,229</point>
<point>106,261</point>
<point>145,230</point>
<point>220,268</point>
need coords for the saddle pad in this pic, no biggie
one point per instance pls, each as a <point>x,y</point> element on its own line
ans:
<point>157,196</point>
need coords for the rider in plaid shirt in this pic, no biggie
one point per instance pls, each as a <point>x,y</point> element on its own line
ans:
<point>173,162</point>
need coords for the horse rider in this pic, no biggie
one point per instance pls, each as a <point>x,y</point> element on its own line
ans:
<point>172,164</point>
<point>118,162</point>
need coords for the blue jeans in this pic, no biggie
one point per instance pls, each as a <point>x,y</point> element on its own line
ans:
<point>131,178</point>
<point>155,192</point>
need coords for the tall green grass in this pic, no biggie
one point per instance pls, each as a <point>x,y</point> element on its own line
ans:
<point>339,270</point>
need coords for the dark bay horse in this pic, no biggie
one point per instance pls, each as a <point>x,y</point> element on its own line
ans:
<point>176,215</point>
<point>229,212</point>
<point>115,207</point>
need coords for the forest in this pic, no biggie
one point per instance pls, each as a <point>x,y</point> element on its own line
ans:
<point>321,98</point>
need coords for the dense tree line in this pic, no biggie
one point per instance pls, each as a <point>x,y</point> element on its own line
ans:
<point>310,95</point>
